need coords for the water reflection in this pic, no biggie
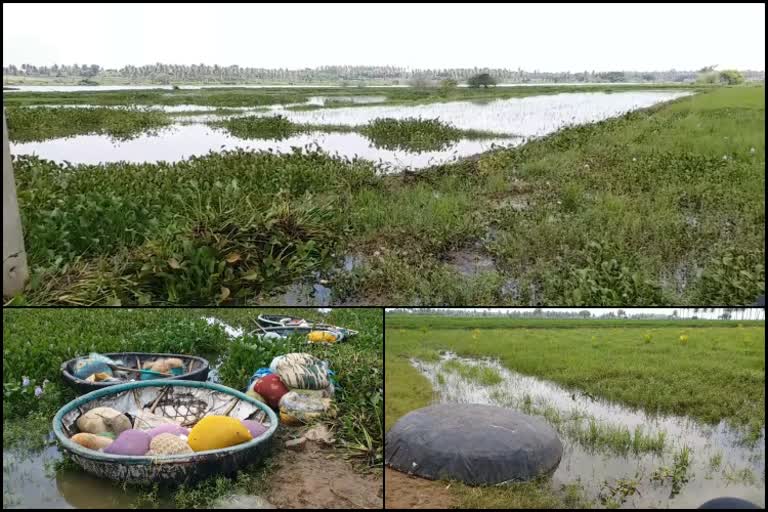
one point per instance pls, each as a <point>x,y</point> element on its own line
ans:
<point>183,141</point>
<point>528,116</point>
<point>525,117</point>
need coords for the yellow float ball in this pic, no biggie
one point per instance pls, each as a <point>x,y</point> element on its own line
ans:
<point>216,432</point>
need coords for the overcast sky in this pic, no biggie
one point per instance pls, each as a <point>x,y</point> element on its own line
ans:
<point>548,37</point>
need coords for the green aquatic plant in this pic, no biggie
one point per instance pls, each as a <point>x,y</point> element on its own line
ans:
<point>27,124</point>
<point>677,474</point>
<point>260,127</point>
<point>615,495</point>
<point>417,134</point>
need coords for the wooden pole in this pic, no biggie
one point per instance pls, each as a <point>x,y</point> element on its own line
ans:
<point>15,271</point>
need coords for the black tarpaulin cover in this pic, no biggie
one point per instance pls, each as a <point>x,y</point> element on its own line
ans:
<point>476,444</point>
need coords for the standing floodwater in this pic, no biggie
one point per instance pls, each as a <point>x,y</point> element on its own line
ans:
<point>514,119</point>
<point>719,463</point>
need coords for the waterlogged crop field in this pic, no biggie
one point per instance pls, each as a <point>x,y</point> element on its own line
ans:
<point>651,414</point>
<point>532,195</point>
<point>37,341</point>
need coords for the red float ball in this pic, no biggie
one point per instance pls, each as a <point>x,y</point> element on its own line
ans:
<point>271,388</point>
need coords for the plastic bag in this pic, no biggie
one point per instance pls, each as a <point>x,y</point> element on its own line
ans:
<point>94,363</point>
<point>304,406</point>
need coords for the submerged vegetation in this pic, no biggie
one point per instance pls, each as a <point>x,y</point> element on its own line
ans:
<point>481,375</point>
<point>40,123</point>
<point>414,135</point>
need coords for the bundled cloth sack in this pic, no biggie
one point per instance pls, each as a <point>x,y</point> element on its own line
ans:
<point>91,441</point>
<point>301,370</point>
<point>171,365</point>
<point>168,444</point>
<point>93,364</point>
<point>271,388</point>
<point>215,432</point>
<point>325,392</point>
<point>305,406</point>
<point>130,442</point>
<point>103,419</point>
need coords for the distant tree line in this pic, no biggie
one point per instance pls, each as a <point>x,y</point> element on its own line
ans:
<point>679,313</point>
<point>169,73</point>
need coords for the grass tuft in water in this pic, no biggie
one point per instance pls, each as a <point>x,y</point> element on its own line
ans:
<point>716,461</point>
<point>482,375</point>
<point>677,474</point>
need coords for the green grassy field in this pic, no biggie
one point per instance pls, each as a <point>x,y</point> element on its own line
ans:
<point>37,341</point>
<point>660,206</point>
<point>719,374</point>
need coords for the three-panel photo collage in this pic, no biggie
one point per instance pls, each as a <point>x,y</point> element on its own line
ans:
<point>383,256</point>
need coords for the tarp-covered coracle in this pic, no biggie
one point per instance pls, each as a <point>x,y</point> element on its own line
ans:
<point>476,444</point>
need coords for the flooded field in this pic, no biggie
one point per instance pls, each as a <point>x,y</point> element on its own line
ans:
<point>517,118</point>
<point>696,463</point>
<point>186,140</point>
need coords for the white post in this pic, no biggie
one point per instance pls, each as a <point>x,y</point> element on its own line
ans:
<point>15,270</point>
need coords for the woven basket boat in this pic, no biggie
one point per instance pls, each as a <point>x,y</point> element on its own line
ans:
<point>196,368</point>
<point>185,402</point>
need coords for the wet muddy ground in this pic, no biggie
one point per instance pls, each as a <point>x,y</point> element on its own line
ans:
<point>408,492</point>
<point>722,464</point>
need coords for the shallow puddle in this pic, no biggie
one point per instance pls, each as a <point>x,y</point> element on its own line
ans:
<point>470,262</point>
<point>741,472</point>
<point>31,481</point>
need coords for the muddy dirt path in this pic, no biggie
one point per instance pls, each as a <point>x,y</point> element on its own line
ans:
<point>404,491</point>
<point>319,477</point>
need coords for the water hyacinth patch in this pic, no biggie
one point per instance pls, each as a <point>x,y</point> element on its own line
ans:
<point>40,123</point>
